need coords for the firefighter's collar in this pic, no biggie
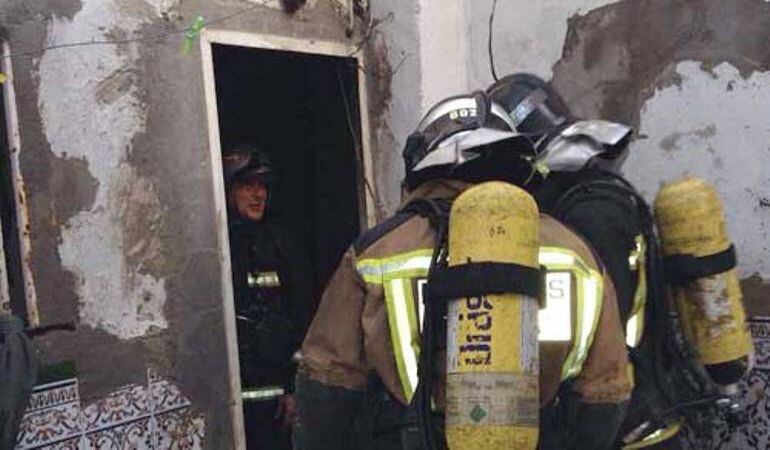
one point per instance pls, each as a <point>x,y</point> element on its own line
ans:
<point>439,188</point>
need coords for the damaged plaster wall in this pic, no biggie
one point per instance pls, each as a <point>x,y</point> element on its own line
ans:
<point>692,76</point>
<point>443,56</point>
<point>725,139</point>
<point>94,120</point>
<point>396,95</point>
<point>114,152</point>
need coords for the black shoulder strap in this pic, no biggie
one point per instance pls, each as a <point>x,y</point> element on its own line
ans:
<point>435,210</point>
<point>374,234</point>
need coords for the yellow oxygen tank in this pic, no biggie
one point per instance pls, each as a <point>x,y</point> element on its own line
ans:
<point>700,265</point>
<point>492,397</point>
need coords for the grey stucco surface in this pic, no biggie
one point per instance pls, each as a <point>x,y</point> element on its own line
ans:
<point>115,157</point>
<point>397,41</point>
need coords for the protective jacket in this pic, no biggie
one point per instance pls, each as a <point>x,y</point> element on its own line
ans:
<point>609,220</point>
<point>273,301</point>
<point>366,328</point>
<point>608,212</point>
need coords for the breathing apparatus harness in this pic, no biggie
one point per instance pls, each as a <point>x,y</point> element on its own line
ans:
<point>437,213</point>
<point>686,387</point>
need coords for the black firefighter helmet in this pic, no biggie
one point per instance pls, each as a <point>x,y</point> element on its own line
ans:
<point>248,162</point>
<point>535,108</point>
<point>563,141</point>
<point>466,137</point>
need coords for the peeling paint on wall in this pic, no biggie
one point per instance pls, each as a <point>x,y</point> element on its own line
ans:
<point>394,78</point>
<point>616,56</point>
<point>713,125</point>
<point>630,61</point>
<point>444,53</point>
<point>166,9</point>
<point>95,119</point>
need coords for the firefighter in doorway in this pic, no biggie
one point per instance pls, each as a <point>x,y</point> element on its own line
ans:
<point>273,298</point>
<point>368,351</point>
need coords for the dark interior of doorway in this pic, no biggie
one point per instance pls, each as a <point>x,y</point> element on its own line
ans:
<point>11,243</point>
<point>303,110</point>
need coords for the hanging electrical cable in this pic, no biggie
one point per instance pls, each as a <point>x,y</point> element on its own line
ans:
<point>491,30</point>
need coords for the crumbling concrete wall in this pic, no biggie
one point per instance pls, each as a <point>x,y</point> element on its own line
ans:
<point>396,45</point>
<point>114,153</point>
<point>691,76</point>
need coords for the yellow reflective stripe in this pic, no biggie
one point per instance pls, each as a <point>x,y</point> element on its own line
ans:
<point>396,274</point>
<point>589,303</point>
<point>557,258</point>
<point>405,316</point>
<point>400,334</point>
<point>658,436</point>
<point>405,265</point>
<point>414,330</point>
<point>635,323</point>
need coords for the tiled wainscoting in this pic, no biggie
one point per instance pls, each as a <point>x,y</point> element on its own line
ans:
<point>152,416</point>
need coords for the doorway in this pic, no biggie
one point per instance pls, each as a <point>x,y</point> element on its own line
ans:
<point>302,103</point>
<point>293,106</point>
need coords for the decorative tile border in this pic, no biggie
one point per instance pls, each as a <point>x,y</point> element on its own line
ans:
<point>152,416</point>
<point>157,416</point>
<point>760,332</point>
<point>165,396</point>
<point>754,389</point>
<point>53,415</point>
<point>179,429</point>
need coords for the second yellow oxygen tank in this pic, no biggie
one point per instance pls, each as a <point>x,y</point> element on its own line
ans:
<point>700,261</point>
<point>492,398</point>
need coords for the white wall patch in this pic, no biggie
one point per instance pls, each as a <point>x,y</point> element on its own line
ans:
<point>91,110</point>
<point>713,126</point>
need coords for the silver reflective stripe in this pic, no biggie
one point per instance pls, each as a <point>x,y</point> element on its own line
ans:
<point>633,329</point>
<point>403,328</point>
<point>421,301</point>
<point>374,270</point>
<point>262,394</point>
<point>263,279</point>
